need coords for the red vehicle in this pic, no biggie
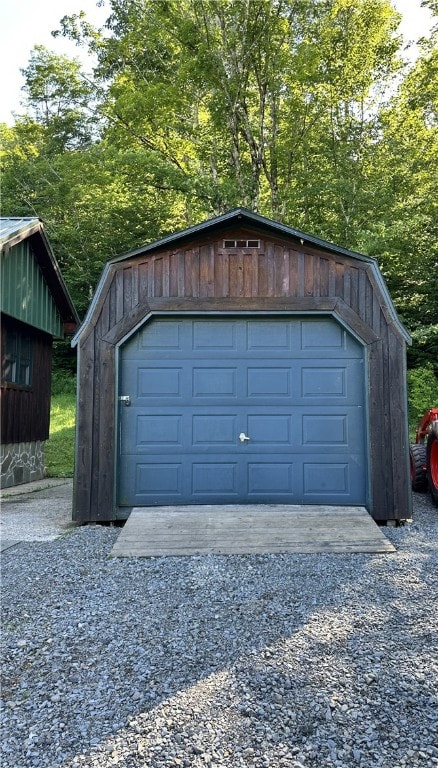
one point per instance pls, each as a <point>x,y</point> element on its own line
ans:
<point>424,455</point>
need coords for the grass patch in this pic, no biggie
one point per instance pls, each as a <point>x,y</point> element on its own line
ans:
<point>61,444</point>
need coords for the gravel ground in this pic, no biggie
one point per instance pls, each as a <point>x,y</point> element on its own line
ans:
<point>249,660</point>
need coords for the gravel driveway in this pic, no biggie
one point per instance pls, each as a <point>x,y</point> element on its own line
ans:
<point>244,660</point>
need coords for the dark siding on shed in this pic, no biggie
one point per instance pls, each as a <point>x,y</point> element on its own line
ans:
<point>202,276</point>
<point>25,411</point>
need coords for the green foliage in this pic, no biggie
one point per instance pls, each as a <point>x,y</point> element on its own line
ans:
<point>405,236</point>
<point>64,362</point>
<point>422,392</point>
<point>60,445</point>
<point>63,382</point>
<point>58,96</point>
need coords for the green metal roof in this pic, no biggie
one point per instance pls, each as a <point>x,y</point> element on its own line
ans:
<point>32,288</point>
<point>16,227</point>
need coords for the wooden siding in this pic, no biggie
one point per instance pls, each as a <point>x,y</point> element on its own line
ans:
<point>202,276</point>
<point>25,411</point>
<point>274,270</point>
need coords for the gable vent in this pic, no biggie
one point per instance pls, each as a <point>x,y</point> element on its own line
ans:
<point>241,243</point>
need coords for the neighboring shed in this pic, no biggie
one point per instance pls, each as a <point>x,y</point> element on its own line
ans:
<point>35,308</point>
<point>241,361</point>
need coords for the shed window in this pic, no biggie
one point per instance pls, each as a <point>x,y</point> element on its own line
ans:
<point>17,359</point>
<point>241,243</point>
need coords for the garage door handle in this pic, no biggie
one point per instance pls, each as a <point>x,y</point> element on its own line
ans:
<point>243,437</point>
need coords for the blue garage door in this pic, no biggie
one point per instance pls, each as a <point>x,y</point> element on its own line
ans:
<point>226,411</point>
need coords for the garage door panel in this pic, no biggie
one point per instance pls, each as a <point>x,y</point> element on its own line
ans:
<point>323,382</point>
<point>157,337</point>
<point>306,431</point>
<point>268,336</point>
<point>339,431</point>
<point>196,385</point>
<point>159,478</point>
<point>169,431</point>
<point>214,479</point>
<point>339,481</point>
<point>159,382</point>
<point>323,335</point>
<point>331,384</point>
<point>324,478</point>
<point>158,430</point>
<point>214,429</point>
<point>151,480</point>
<point>213,336</point>
<point>214,382</point>
<point>271,429</point>
<point>161,336</point>
<point>145,432</point>
<point>268,382</point>
<point>325,429</point>
<point>270,478</point>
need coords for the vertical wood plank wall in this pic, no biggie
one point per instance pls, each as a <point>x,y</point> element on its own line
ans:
<point>306,278</point>
<point>25,411</point>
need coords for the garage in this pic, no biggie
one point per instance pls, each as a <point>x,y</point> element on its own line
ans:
<point>242,410</point>
<point>241,362</point>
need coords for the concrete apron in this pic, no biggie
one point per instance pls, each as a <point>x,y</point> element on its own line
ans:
<point>37,511</point>
<point>253,529</point>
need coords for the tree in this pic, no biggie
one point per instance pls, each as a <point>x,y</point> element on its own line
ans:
<point>405,234</point>
<point>58,97</point>
<point>265,103</point>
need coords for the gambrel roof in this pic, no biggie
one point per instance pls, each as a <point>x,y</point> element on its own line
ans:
<point>242,217</point>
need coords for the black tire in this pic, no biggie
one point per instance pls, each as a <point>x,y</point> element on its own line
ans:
<point>417,460</point>
<point>432,465</point>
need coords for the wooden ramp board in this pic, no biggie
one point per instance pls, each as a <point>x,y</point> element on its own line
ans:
<point>254,529</point>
